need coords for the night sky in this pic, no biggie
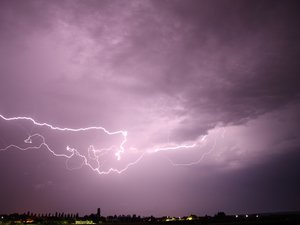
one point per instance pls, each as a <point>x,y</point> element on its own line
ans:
<point>208,92</point>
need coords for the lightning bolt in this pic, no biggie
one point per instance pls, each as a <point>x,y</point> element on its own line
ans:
<point>195,162</point>
<point>173,147</point>
<point>95,154</point>
<point>73,152</point>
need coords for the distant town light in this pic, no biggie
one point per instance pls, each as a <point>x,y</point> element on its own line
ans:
<point>170,219</point>
<point>246,215</point>
<point>236,216</point>
<point>29,221</point>
<point>84,222</point>
<point>256,216</point>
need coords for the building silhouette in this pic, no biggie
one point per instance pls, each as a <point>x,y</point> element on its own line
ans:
<point>98,212</point>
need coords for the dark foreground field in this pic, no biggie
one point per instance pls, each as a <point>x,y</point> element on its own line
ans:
<point>219,219</point>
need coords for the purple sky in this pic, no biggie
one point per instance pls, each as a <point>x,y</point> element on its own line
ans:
<point>218,74</point>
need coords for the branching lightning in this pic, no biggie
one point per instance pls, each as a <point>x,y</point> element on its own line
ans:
<point>211,149</point>
<point>74,152</point>
<point>95,154</point>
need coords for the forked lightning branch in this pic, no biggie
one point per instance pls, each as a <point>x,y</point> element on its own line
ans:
<point>93,153</point>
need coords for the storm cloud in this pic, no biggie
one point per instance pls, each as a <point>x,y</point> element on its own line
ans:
<point>168,72</point>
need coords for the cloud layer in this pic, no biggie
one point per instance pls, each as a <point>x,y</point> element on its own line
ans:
<point>168,72</point>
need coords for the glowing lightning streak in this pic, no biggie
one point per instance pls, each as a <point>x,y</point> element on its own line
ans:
<point>72,150</point>
<point>174,147</point>
<point>124,133</point>
<point>95,153</point>
<point>202,156</point>
<point>197,161</point>
<point>203,139</point>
